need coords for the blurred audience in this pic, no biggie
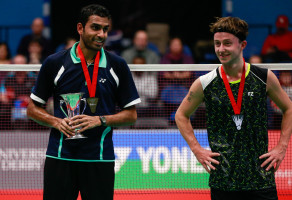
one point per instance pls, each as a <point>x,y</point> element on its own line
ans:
<point>176,54</point>
<point>37,28</point>
<point>147,86</point>
<point>19,59</point>
<point>169,88</point>
<point>5,58</point>
<point>285,79</point>
<point>5,95</point>
<point>146,83</point>
<point>69,42</point>
<point>254,59</point>
<point>14,96</point>
<point>140,48</point>
<point>174,84</point>
<point>115,42</point>
<point>35,52</point>
<point>278,46</point>
<point>19,87</point>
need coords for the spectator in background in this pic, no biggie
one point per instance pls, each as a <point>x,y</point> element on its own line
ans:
<point>255,59</point>
<point>140,53</point>
<point>140,48</point>
<point>19,86</point>
<point>4,57</point>
<point>35,52</point>
<point>15,91</point>
<point>174,84</point>
<point>278,46</point>
<point>175,54</point>
<point>69,42</point>
<point>37,28</point>
<point>285,79</point>
<point>19,59</point>
<point>147,86</point>
<point>115,42</point>
<point>6,96</point>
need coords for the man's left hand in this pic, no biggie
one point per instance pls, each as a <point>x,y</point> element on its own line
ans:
<point>274,157</point>
<point>85,122</point>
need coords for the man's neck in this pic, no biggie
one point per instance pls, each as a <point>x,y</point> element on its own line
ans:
<point>234,72</point>
<point>89,55</point>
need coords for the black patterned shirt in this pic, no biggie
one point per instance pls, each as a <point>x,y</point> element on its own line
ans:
<point>240,143</point>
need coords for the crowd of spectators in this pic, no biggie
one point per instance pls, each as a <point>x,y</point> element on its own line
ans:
<point>277,47</point>
<point>160,92</point>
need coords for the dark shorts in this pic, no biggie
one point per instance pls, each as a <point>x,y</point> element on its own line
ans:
<point>264,194</point>
<point>64,179</point>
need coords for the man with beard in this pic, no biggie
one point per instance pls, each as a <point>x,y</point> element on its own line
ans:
<point>87,164</point>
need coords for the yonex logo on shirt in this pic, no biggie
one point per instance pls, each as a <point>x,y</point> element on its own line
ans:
<point>250,94</point>
<point>102,80</point>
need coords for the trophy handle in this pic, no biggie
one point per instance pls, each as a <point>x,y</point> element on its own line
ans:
<point>61,103</point>
<point>84,100</point>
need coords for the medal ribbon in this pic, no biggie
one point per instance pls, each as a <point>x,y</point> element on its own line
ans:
<point>236,106</point>
<point>90,85</point>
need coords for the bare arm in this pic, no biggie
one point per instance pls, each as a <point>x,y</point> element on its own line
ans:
<point>279,96</point>
<point>182,118</point>
<point>127,116</point>
<point>41,116</point>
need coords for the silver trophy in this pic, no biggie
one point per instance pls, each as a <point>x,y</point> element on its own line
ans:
<point>72,102</point>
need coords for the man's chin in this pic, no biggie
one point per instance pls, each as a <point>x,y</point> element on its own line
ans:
<point>223,60</point>
<point>96,48</point>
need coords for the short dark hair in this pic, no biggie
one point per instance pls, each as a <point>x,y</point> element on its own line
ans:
<point>233,25</point>
<point>93,9</point>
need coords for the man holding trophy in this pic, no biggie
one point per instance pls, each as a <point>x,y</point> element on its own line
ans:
<point>87,83</point>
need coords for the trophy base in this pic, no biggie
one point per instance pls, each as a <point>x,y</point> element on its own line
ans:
<point>79,136</point>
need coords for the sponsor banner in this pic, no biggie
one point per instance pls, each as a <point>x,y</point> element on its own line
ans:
<point>22,155</point>
<point>22,159</point>
<point>158,159</point>
<point>145,159</point>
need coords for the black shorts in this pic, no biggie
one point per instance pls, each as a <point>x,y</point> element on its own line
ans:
<point>264,194</point>
<point>64,179</point>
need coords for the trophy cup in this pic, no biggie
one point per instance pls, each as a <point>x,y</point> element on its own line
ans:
<point>72,102</point>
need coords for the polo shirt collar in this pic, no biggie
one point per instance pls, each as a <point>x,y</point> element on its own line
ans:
<point>75,59</point>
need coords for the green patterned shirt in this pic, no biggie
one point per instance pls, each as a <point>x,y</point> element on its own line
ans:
<point>239,144</point>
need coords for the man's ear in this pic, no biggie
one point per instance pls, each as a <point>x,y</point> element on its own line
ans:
<point>243,44</point>
<point>79,28</point>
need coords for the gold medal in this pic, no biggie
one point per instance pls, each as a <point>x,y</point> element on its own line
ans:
<point>92,102</point>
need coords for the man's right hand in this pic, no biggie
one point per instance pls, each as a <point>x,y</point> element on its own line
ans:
<point>63,126</point>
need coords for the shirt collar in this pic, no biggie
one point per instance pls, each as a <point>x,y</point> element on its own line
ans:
<point>75,59</point>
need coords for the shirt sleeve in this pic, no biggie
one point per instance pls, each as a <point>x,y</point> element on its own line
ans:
<point>44,86</point>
